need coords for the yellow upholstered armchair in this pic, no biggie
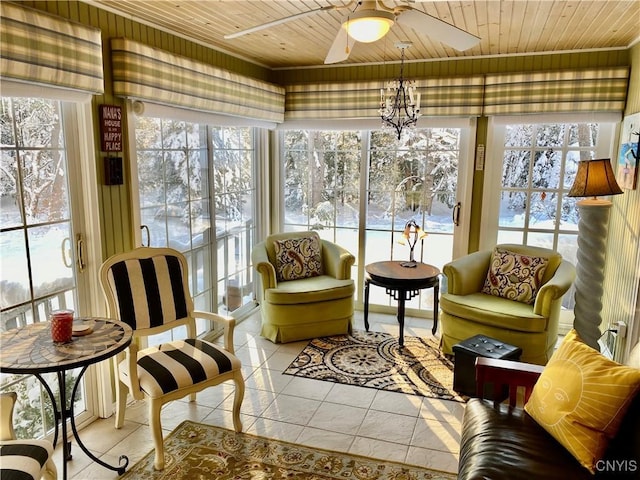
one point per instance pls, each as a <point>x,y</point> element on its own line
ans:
<point>307,290</point>
<point>526,316</point>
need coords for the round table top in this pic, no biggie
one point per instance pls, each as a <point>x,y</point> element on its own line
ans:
<point>30,349</point>
<point>393,270</point>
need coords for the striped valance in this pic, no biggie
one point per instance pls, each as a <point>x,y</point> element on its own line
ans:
<point>147,73</point>
<point>459,96</point>
<point>37,47</point>
<point>593,90</point>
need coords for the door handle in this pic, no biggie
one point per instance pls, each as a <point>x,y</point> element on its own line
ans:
<point>456,214</point>
<point>66,253</point>
<point>145,229</point>
<point>80,252</point>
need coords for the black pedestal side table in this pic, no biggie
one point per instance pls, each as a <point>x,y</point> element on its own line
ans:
<point>30,350</point>
<point>402,283</point>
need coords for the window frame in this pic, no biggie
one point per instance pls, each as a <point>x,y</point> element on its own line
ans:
<point>77,111</point>
<point>495,151</point>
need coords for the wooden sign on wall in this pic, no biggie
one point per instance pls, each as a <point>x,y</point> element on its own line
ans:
<point>111,128</point>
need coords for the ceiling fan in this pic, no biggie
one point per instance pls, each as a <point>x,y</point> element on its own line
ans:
<point>370,21</point>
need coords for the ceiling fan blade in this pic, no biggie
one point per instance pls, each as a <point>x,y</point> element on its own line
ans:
<point>437,29</point>
<point>278,22</point>
<point>340,48</point>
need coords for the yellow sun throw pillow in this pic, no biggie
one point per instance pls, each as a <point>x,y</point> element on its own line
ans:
<point>581,398</point>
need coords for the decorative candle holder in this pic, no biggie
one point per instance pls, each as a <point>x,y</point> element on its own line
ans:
<point>61,326</point>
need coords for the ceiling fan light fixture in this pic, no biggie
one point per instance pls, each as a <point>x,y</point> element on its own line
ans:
<point>367,26</point>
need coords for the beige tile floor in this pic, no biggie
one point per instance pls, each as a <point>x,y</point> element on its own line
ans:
<point>385,425</point>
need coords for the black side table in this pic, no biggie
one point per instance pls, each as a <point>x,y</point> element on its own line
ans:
<point>466,352</point>
<point>402,284</point>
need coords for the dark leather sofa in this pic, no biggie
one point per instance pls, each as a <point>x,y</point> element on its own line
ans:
<point>502,442</point>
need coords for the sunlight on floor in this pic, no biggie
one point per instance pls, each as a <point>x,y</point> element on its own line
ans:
<point>380,424</point>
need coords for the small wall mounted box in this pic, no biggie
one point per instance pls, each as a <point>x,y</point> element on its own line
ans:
<point>113,174</point>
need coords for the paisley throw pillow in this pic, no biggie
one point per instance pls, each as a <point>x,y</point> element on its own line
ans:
<point>514,276</point>
<point>298,258</point>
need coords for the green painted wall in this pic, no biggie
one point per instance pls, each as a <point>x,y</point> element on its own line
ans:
<point>621,298</point>
<point>633,98</point>
<point>455,67</point>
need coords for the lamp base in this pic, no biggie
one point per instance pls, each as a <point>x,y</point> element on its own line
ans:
<point>411,264</point>
<point>592,243</point>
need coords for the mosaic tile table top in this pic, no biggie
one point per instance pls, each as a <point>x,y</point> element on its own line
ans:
<point>30,349</point>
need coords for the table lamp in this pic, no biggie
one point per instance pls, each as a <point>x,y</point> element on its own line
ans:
<point>410,228</point>
<point>594,178</point>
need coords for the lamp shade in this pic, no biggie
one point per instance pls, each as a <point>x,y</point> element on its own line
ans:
<point>367,26</point>
<point>594,178</point>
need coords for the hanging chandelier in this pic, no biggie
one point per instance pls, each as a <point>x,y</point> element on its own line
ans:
<point>400,107</point>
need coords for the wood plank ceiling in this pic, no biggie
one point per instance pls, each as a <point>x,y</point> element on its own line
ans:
<point>505,27</point>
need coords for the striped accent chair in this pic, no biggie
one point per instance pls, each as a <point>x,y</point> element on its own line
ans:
<point>148,289</point>
<point>22,459</point>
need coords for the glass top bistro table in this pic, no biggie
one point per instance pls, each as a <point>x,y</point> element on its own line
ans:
<point>402,283</point>
<point>30,350</point>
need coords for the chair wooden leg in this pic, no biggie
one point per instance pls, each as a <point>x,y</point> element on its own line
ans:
<point>50,470</point>
<point>8,402</point>
<point>237,400</point>
<point>156,433</point>
<point>121,403</point>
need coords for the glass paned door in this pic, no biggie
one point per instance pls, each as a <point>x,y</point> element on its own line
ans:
<point>359,188</point>
<point>174,200</point>
<point>38,265</point>
<point>322,184</point>
<point>415,178</point>
<point>196,194</point>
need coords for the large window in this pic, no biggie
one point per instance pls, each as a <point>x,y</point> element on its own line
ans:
<point>413,180</point>
<point>359,188</point>
<point>196,192</point>
<point>37,262</point>
<point>322,183</point>
<point>39,229</point>
<point>528,179</point>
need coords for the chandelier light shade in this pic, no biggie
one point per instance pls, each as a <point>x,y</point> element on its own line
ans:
<point>400,104</point>
<point>594,178</point>
<point>367,26</point>
<point>411,234</point>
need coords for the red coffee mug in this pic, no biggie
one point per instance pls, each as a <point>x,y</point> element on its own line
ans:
<point>61,326</point>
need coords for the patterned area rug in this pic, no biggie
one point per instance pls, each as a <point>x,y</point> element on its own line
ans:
<point>376,360</point>
<point>194,450</point>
